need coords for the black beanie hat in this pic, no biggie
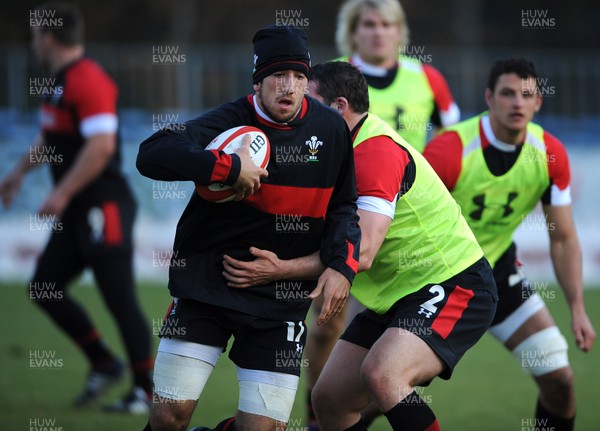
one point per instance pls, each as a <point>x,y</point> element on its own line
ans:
<point>279,48</point>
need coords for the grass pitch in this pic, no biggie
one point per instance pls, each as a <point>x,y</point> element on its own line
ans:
<point>488,391</point>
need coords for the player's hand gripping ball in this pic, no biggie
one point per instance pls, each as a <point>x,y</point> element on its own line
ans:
<point>229,141</point>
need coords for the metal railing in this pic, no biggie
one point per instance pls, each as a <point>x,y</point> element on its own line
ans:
<point>208,75</point>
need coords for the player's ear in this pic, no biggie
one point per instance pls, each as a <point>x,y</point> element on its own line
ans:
<point>257,85</point>
<point>49,39</point>
<point>341,104</point>
<point>538,101</point>
<point>488,96</point>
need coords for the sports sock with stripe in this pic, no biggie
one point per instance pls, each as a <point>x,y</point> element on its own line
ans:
<point>412,414</point>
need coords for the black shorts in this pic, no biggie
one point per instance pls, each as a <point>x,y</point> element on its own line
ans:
<point>450,316</point>
<point>95,230</point>
<point>512,283</point>
<point>86,236</point>
<point>259,343</point>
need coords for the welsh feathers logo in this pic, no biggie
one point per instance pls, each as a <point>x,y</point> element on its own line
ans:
<point>313,148</point>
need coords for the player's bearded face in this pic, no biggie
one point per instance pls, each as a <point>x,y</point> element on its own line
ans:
<point>280,95</point>
<point>514,102</point>
<point>375,39</point>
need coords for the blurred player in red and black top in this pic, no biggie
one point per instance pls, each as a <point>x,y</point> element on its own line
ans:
<point>91,203</point>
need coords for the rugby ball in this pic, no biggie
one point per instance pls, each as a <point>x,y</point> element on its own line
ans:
<point>230,141</point>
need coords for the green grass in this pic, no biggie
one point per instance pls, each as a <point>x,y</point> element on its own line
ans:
<point>488,391</point>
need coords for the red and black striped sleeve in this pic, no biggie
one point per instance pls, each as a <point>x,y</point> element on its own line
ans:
<point>178,153</point>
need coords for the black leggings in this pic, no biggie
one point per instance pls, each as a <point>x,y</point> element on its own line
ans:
<point>61,262</point>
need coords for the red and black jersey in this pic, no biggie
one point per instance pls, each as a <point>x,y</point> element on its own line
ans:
<point>82,103</point>
<point>306,204</point>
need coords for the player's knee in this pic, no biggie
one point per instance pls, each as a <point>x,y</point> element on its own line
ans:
<point>251,422</point>
<point>374,378</point>
<point>322,400</point>
<point>168,418</point>
<point>167,423</point>
<point>564,378</point>
<point>321,403</point>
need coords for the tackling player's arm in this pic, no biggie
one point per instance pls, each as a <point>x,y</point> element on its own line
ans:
<point>380,169</point>
<point>380,166</point>
<point>267,268</point>
<point>373,228</point>
<point>10,185</point>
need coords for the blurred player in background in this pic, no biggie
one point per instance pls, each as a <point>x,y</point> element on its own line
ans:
<point>498,166</point>
<point>428,290</point>
<point>410,96</point>
<point>321,194</point>
<point>93,204</point>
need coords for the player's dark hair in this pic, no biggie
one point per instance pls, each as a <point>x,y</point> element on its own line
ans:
<point>522,68</point>
<point>341,79</point>
<point>63,20</point>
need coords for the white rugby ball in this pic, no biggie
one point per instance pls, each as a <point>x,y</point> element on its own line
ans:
<point>230,141</point>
